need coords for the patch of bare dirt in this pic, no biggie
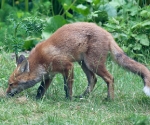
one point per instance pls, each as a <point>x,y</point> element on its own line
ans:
<point>2,92</point>
<point>22,99</point>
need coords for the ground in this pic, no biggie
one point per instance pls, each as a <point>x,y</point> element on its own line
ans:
<point>130,106</point>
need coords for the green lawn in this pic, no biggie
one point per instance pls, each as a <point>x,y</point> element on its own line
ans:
<point>130,107</point>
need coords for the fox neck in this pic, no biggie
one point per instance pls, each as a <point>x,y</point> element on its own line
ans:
<point>36,74</point>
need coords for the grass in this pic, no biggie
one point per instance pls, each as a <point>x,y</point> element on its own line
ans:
<point>130,107</point>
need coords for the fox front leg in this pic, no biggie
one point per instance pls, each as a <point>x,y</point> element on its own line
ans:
<point>68,81</point>
<point>43,87</point>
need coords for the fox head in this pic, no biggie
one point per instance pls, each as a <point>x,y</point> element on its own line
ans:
<point>22,78</point>
<point>17,78</point>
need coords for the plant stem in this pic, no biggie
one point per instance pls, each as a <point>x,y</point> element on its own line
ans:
<point>26,5</point>
<point>69,7</point>
<point>13,3</point>
<point>15,34</point>
<point>52,8</point>
<point>2,4</point>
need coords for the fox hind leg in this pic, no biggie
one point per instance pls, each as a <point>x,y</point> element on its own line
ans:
<point>90,77</point>
<point>107,77</point>
<point>97,65</point>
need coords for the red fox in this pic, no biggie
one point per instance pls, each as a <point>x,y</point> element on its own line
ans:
<point>85,43</point>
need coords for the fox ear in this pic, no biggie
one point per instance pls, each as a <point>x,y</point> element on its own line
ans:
<point>21,59</point>
<point>24,64</point>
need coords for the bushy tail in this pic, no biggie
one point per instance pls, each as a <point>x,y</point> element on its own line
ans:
<point>130,64</point>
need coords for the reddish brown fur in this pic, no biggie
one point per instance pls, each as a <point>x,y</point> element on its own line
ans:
<point>85,43</point>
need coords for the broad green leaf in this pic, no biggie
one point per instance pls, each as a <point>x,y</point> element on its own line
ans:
<point>111,11</point>
<point>112,26</point>
<point>46,35</point>
<point>143,39</point>
<point>137,46</point>
<point>143,13</point>
<point>125,49</point>
<point>69,15</point>
<point>133,10</point>
<point>146,23</point>
<point>90,1</point>
<point>136,26</point>
<point>96,2</point>
<point>117,3</point>
<point>53,24</point>
<point>30,43</point>
<point>141,55</point>
<point>20,14</point>
<point>82,9</point>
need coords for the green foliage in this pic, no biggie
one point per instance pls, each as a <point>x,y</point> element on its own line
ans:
<point>42,8</point>
<point>18,29</point>
<point>52,24</point>
<point>127,20</point>
<point>131,30</point>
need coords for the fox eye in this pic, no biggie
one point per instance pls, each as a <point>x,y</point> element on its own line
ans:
<point>10,84</point>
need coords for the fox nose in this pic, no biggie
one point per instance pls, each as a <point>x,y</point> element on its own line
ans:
<point>9,94</point>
